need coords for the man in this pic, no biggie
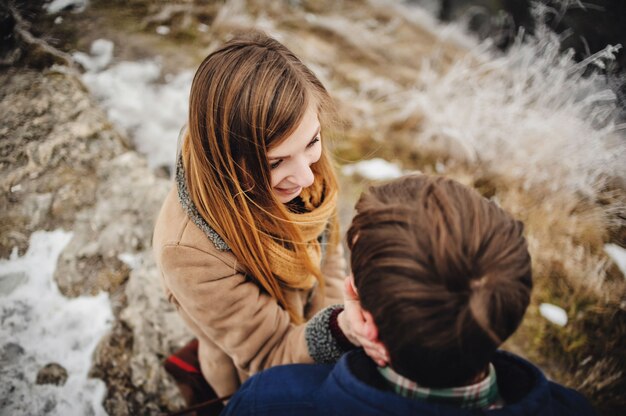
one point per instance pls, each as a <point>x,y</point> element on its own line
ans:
<point>444,278</point>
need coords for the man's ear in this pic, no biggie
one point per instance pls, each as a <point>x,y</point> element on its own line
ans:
<point>352,285</point>
<point>371,330</point>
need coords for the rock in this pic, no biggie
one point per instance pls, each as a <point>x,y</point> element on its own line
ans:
<point>117,231</point>
<point>36,207</point>
<point>128,196</point>
<point>10,352</point>
<point>157,329</point>
<point>63,165</point>
<point>51,136</point>
<point>52,373</point>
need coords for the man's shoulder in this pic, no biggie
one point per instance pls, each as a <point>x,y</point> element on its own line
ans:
<point>526,389</point>
<point>566,401</point>
<point>292,380</point>
<point>351,387</point>
<point>315,389</point>
<point>281,390</point>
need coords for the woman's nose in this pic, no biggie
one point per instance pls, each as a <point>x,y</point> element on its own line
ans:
<point>303,175</point>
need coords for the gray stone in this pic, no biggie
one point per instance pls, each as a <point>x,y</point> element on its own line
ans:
<point>119,223</point>
<point>10,353</point>
<point>52,373</point>
<point>157,329</point>
<point>52,137</point>
<point>37,208</point>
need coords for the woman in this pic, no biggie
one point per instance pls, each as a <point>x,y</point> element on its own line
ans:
<point>247,241</point>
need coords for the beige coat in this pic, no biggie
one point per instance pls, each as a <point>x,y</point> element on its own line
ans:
<point>241,330</point>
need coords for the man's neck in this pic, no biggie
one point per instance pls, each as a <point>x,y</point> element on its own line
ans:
<point>480,393</point>
<point>479,377</point>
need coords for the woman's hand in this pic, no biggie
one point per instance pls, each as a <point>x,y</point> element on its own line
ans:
<point>359,328</point>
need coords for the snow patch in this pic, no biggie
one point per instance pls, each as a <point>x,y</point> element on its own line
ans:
<point>553,313</point>
<point>133,261</point>
<point>618,255</point>
<point>375,169</point>
<point>56,6</point>
<point>163,30</point>
<point>41,326</point>
<point>101,55</point>
<point>149,111</point>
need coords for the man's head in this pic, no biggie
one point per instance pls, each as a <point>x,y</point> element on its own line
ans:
<point>444,273</point>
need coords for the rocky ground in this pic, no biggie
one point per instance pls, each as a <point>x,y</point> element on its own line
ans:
<point>64,165</point>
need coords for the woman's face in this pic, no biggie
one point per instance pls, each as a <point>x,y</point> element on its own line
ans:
<point>290,161</point>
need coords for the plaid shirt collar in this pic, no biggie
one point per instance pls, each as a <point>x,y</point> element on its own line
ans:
<point>482,395</point>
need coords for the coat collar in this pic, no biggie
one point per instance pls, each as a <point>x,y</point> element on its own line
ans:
<point>192,211</point>
<point>534,397</point>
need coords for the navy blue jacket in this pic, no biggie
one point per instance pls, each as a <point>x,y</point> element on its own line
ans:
<point>354,387</point>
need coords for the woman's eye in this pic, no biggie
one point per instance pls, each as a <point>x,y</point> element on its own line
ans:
<point>275,164</point>
<point>312,142</point>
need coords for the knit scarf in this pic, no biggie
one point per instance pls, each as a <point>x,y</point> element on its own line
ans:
<point>319,205</point>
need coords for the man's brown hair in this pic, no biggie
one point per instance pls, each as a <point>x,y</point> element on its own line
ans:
<point>444,272</point>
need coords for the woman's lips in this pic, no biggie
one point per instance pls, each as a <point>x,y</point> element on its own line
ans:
<point>289,191</point>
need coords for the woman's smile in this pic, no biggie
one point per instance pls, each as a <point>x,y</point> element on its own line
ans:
<point>288,191</point>
<point>290,161</point>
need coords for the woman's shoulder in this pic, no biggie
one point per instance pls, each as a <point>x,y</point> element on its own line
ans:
<point>179,211</point>
<point>191,211</point>
<point>179,231</point>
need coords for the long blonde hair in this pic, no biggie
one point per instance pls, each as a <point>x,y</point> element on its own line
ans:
<point>246,97</point>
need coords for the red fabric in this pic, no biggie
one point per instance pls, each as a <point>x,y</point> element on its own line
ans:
<point>187,367</point>
<point>184,367</point>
